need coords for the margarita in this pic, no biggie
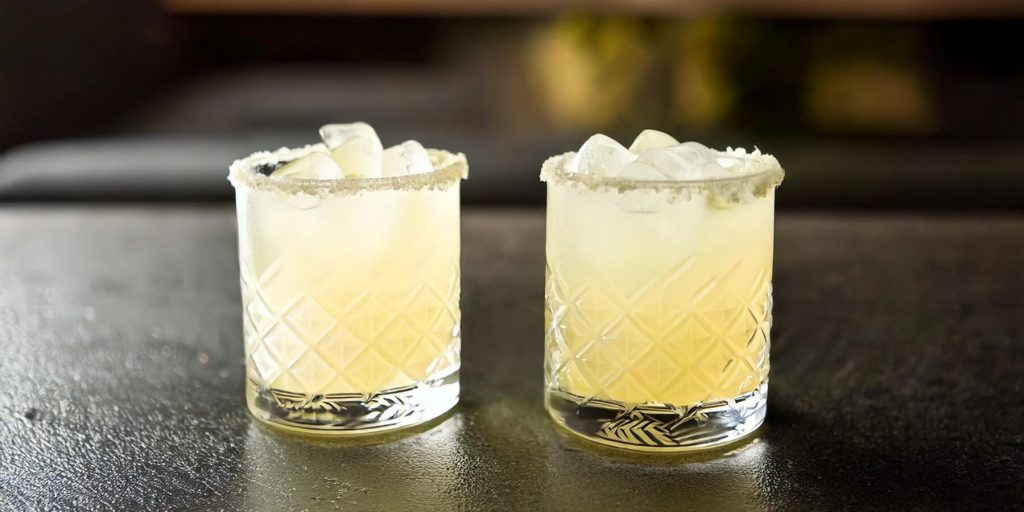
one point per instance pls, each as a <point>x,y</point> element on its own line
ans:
<point>658,296</point>
<point>349,260</point>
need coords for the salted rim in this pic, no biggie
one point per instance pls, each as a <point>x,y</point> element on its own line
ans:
<point>769,175</point>
<point>449,168</point>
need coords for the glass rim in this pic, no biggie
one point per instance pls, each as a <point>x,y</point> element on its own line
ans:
<point>554,171</point>
<point>449,169</point>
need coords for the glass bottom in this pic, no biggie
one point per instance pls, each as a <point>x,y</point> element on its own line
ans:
<point>346,414</point>
<point>659,427</point>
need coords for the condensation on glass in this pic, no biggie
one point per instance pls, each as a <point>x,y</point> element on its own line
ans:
<point>658,307</point>
<point>350,295</point>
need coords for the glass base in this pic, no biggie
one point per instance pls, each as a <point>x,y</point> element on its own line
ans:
<point>346,414</point>
<point>659,427</point>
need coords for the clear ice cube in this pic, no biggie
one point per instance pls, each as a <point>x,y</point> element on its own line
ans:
<point>652,139</point>
<point>601,155</point>
<point>685,161</point>
<point>406,158</point>
<point>355,147</point>
<point>642,170</point>
<point>657,156</point>
<point>315,166</point>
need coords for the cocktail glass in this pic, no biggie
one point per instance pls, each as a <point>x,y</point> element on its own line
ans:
<point>350,295</point>
<point>658,307</point>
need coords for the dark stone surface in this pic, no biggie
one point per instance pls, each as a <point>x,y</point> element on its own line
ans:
<point>896,378</point>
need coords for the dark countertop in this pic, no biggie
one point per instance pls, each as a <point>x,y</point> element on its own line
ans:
<point>896,378</point>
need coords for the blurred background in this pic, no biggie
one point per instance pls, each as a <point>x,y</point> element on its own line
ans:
<point>910,104</point>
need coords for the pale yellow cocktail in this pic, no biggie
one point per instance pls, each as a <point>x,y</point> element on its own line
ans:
<point>350,291</point>
<point>659,303</point>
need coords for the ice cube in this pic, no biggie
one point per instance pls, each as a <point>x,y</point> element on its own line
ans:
<point>727,163</point>
<point>698,152</point>
<point>657,156</point>
<point>315,166</point>
<point>355,147</point>
<point>686,161</point>
<point>714,169</point>
<point>661,164</point>
<point>642,170</point>
<point>601,155</point>
<point>406,158</point>
<point>652,139</point>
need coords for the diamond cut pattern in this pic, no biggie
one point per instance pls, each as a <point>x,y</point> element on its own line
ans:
<point>675,338</point>
<point>311,335</point>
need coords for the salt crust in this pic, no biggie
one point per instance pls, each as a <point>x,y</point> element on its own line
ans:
<point>761,174</point>
<point>449,168</point>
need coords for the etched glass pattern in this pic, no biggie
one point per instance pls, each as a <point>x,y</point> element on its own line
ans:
<point>658,312</point>
<point>350,306</point>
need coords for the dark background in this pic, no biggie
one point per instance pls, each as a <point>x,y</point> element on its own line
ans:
<point>867,104</point>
